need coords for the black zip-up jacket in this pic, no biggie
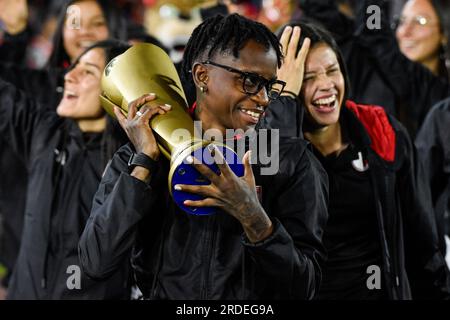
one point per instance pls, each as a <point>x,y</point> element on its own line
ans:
<point>413,265</point>
<point>181,256</point>
<point>433,146</point>
<point>64,171</point>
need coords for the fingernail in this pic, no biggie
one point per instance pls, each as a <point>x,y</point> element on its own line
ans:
<point>152,94</point>
<point>288,28</point>
<point>167,106</point>
<point>212,149</point>
<point>177,187</point>
<point>189,160</point>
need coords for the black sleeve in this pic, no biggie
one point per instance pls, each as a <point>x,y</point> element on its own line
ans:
<point>286,115</point>
<point>39,85</point>
<point>118,206</point>
<point>291,257</point>
<point>14,47</point>
<point>19,119</point>
<point>412,83</point>
<point>425,264</point>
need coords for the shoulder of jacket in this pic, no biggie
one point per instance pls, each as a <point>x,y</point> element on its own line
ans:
<point>292,154</point>
<point>441,108</point>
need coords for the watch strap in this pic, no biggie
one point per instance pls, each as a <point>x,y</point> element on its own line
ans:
<point>142,160</point>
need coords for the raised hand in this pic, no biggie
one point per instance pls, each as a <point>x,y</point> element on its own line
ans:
<point>236,196</point>
<point>293,68</point>
<point>14,15</point>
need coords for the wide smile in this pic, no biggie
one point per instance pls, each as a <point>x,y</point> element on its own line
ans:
<point>251,115</point>
<point>326,105</point>
<point>408,45</point>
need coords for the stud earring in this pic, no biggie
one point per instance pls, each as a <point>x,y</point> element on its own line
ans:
<point>203,89</point>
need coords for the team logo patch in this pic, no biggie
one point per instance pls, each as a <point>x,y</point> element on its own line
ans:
<point>360,164</point>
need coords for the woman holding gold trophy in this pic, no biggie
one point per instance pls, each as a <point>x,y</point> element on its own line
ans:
<point>263,238</point>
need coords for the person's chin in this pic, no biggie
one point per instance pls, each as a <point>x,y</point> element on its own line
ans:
<point>326,120</point>
<point>64,111</point>
<point>411,54</point>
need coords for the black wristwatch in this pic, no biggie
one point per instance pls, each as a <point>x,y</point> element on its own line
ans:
<point>142,160</point>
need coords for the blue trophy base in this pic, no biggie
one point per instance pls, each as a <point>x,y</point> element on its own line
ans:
<point>185,173</point>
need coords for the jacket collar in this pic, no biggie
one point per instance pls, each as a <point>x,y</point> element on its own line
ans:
<point>374,128</point>
<point>354,129</point>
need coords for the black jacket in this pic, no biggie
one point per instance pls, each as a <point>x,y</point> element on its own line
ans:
<point>13,184</point>
<point>42,85</point>
<point>379,73</point>
<point>433,146</point>
<point>181,256</point>
<point>64,170</point>
<point>39,85</point>
<point>413,265</point>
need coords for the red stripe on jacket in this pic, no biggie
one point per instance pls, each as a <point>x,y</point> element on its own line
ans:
<point>377,125</point>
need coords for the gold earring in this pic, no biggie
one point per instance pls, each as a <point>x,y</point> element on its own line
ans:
<point>203,89</point>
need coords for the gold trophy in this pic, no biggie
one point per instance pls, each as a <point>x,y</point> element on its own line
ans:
<point>146,68</point>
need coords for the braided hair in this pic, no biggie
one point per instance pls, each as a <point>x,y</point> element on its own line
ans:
<point>225,34</point>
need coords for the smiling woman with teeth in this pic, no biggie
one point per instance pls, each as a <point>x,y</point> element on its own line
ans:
<point>81,23</point>
<point>66,153</point>
<point>380,212</point>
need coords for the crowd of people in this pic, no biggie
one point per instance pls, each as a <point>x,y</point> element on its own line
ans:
<point>358,209</point>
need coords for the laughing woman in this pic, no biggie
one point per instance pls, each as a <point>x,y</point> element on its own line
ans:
<point>66,152</point>
<point>380,222</point>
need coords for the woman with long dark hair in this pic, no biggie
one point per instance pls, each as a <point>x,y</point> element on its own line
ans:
<point>81,23</point>
<point>423,34</point>
<point>381,234</point>
<point>378,70</point>
<point>66,153</point>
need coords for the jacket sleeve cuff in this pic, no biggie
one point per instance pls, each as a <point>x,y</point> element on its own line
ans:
<point>132,195</point>
<point>279,234</point>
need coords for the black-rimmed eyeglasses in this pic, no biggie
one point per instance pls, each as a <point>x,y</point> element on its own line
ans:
<point>252,83</point>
